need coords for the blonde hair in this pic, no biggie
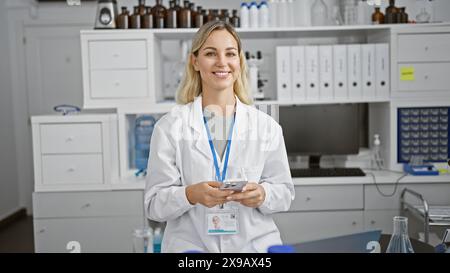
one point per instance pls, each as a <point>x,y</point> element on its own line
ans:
<point>191,84</point>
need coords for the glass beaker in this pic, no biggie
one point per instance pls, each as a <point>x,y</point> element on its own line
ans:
<point>143,240</point>
<point>400,242</point>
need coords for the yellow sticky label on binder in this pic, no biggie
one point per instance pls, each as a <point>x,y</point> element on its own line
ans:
<point>407,73</point>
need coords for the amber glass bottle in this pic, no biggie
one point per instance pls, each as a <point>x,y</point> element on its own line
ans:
<point>392,13</point>
<point>185,16</point>
<point>147,18</point>
<point>193,14</point>
<point>159,14</point>
<point>205,13</point>
<point>235,20</point>
<point>171,16</point>
<point>198,17</point>
<point>403,16</point>
<point>123,19</point>
<point>213,15</point>
<point>135,18</point>
<point>224,15</point>
<point>141,7</point>
<point>377,17</point>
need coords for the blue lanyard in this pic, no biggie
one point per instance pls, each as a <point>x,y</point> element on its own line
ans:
<point>213,151</point>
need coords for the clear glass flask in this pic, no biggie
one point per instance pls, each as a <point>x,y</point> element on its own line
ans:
<point>400,242</point>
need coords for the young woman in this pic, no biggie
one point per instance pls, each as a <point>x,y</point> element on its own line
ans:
<point>212,135</point>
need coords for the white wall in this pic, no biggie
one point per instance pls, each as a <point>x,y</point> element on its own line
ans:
<point>9,191</point>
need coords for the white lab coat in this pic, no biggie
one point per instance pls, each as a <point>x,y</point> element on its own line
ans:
<point>180,155</point>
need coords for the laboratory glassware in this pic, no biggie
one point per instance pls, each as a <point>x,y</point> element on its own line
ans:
<point>400,242</point>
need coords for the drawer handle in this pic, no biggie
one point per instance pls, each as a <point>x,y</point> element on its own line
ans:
<point>85,206</point>
<point>117,84</point>
<point>71,169</point>
<point>308,199</point>
<point>70,139</point>
<point>426,48</point>
<point>354,223</point>
<point>116,55</point>
<point>42,230</point>
<point>426,77</point>
<point>373,222</point>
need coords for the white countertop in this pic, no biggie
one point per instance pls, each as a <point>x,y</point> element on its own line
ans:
<point>382,177</point>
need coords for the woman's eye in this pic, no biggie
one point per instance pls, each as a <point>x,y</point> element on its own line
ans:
<point>231,54</point>
<point>210,54</point>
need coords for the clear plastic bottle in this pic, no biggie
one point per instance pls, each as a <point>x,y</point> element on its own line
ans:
<point>400,242</point>
<point>377,161</point>
<point>283,14</point>
<point>290,9</point>
<point>319,13</point>
<point>254,15</point>
<point>303,18</point>
<point>263,16</point>
<point>143,240</point>
<point>349,8</point>
<point>157,240</point>
<point>273,13</point>
<point>244,13</point>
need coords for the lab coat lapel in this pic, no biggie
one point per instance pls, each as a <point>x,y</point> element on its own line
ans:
<point>200,137</point>
<point>240,132</point>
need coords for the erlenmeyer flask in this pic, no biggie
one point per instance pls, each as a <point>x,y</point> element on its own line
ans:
<point>400,242</point>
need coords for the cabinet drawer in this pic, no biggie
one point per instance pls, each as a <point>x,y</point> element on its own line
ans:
<point>72,169</point>
<point>316,198</point>
<point>424,47</point>
<point>380,219</point>
<point>119,84</point>
<point>88,204</point>
<point>427,76</point>
<point>435,194</point>
<point>111,234</point>
<point>117,54</point>
<point>71,138</point>
<point>296,227</point>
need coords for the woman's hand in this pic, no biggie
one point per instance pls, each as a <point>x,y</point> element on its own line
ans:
<point>207,194</point>
<point>252,195</point>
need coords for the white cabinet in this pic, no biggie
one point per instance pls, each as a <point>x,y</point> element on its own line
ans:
<point>320,198</point>
<point>296,227</point>
<point>74,152</point>
<point>421,59</point>
<point>117,68</point>
<point>322,211</point>
<point>98,221</point>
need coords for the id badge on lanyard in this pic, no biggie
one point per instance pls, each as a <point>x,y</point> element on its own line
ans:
<point>221,221</point>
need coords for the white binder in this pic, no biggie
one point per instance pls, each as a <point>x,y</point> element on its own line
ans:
<point>283,55</point>
<point>312,72</point>
<point>354,71</point>
<point>340,71</point>
<point>298,73</point>
<point>326,72</point>
<point>368,70</point>
<point>382,64</point>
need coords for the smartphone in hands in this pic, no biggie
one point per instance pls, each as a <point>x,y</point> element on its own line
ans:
<point>233,185</point>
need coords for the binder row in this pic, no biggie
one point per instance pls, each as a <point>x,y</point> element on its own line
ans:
<point>333,72</point>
